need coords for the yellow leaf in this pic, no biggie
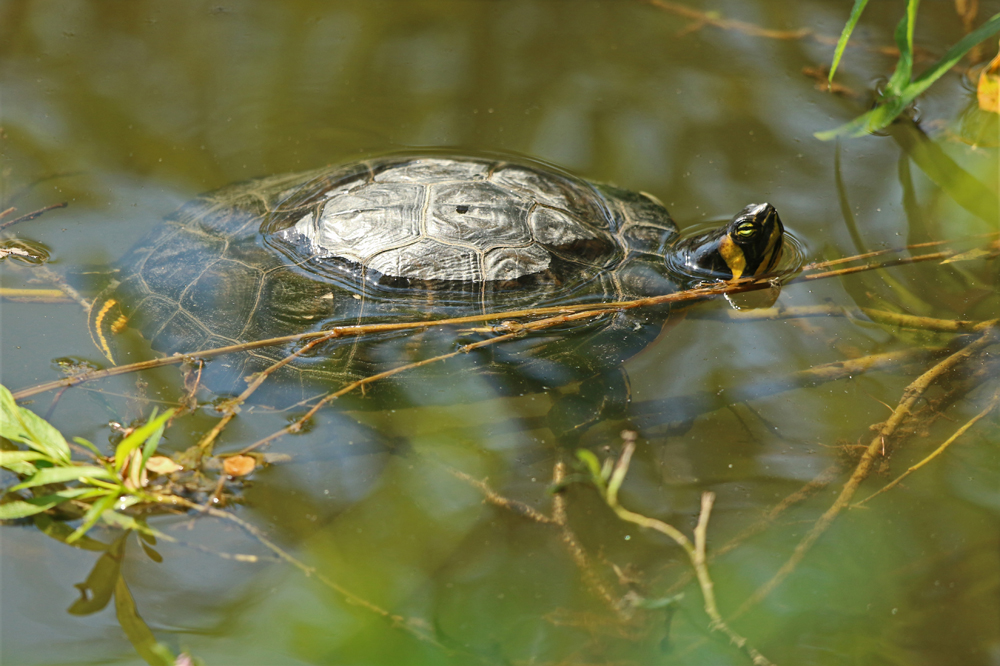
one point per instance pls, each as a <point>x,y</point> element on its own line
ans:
<point>988,91</point>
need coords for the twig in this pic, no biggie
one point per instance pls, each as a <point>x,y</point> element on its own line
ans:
<point>821,481</point>
<point>559,520</point>
<point>29,216</point>
<point>938,451</point>
<point>713,19</point>
<point>496,499</point>
<point>576,549</point>
<point>878,316</point>
<point>583,310</point>
<point>50,275</point>
<point>893,250</point>
<point>206,442</point>
<point>876,265</point>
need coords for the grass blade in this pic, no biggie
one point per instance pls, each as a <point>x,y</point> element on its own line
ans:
<point>845,35</point>
<point>904,42</point>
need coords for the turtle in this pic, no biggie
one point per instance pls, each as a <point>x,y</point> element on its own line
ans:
<point>406,237</point>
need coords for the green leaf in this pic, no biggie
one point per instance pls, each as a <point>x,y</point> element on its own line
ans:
<point>19,463</point>
<point>8,458</point>
<point>22,425</point>
<point>92,516</point>
<point>22,508</point>
<point>845,35</point>
<point>151,552</point>
<point>64,474</point>
<point>151,430</point>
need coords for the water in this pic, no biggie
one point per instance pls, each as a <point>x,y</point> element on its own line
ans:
<point>127,110</point>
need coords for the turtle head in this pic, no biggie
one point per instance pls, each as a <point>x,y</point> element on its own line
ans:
<point>748,246</point>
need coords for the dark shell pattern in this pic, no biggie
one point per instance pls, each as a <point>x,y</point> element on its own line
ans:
<point>396,239</point>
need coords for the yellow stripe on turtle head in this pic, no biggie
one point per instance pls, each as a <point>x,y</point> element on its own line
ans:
<point>104,318</point>
<point>733,255</point>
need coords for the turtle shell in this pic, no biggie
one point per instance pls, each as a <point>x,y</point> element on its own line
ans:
<point>394,239</point>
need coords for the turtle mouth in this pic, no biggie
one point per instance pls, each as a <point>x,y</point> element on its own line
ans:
<point>752,244</point>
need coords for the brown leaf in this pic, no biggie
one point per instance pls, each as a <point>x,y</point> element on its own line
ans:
<point>162,465</point>
<point>239,465</point>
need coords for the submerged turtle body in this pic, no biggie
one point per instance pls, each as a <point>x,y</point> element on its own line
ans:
<point>405,238</point>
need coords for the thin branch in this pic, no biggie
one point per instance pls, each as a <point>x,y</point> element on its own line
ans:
<point>938,451</point>
<point>822,480</point>
<point>206,443</point>
<point>875,315</point>
<point>559,520</point>
<point>572,312</point>
<point>29,216</point>
<point>713,19</point>
<point>498,500</point>
<point>894,250</point>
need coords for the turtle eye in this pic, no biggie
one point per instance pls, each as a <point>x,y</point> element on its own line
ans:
<point>746,230</point>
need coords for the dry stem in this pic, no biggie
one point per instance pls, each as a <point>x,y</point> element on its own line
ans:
<point>29,216</point>
<point>566,313</point>
<point>875,315</point>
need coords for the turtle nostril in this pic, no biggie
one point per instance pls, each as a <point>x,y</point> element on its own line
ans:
<point>463,209</point>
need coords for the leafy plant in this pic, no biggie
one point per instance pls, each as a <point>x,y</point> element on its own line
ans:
<point>100,488</point>
<point>902,89</point>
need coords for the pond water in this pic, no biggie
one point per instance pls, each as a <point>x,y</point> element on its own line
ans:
<point>426,532</point>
